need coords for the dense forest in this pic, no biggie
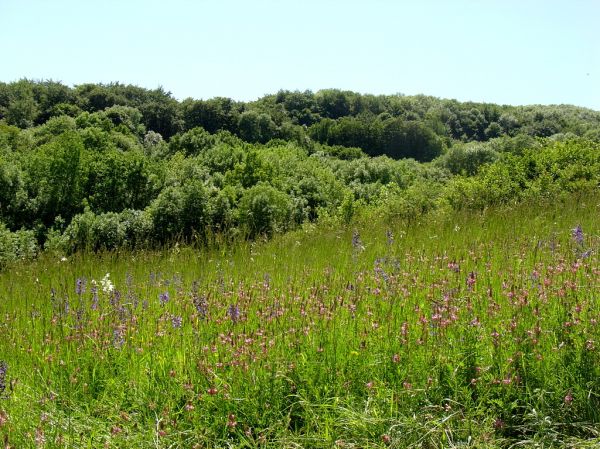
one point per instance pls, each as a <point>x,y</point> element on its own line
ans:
<point>105,166</point>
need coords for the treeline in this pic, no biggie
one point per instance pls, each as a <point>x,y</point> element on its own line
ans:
<point>119,166</point>
<point>419,127</point>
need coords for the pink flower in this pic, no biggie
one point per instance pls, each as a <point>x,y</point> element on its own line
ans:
<point>568,398</point>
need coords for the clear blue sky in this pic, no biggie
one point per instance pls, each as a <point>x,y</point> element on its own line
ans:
<point>501,51</point>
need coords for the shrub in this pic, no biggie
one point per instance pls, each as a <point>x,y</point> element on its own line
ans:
<point>264,210</point>
<point>180,211</point>
<point>18,245</point>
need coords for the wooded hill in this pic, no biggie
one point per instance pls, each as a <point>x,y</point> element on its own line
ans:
<point>104,166</point>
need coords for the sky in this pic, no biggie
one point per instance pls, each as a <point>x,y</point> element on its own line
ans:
<point>496,51</point>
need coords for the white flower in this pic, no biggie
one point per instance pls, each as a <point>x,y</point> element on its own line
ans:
<point>107,285</point>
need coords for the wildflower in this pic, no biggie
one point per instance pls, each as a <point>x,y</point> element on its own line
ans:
<point>201,305</point>
<point>454,267</point>
<point>3,369</point>
<point>234,312</point>
<point>163,298</point>
<point>586,254</point>
<point>471,280</point>
<point>357,242</point>
<point>107,285</point>
<point>118,338</point>
<point>231,422</point>
<point>568,398</point>
<point>390,237</point>
<point>80,286</point>
<point>176,322</point>
<point>577,234</point>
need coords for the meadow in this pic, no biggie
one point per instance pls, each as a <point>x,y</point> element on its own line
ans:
<point>454,329</point>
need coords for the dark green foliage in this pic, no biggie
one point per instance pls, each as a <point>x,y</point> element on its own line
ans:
<point>410,140</point>
<point>117,180</point>
<point>52,179</point>
<point>212,115</point>
<point>21,109</point>
<point>110,165</point>
<point>12,192</point>
<point>256,127</point>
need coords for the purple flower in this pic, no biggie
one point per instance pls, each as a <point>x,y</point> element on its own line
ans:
<point>3,369</point>
<point>115,298</point>
<point>577,234</point>
<point>80,286</point>
<point>201,304</point>
<point>176,321</point>
<point>163,298</point>
<point>234,312</point>
<point>357,243</point>
<point>390,237</point>
<point>586,254</point>
<point>118,338</point>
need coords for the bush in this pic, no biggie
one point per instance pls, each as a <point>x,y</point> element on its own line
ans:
<point>264,210</point>
<point>465,159</point>
<point>19,245</point>
<point>129,229</point>
<point>180,211</point>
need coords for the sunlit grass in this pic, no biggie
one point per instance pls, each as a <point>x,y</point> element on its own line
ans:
<point>457,329</point>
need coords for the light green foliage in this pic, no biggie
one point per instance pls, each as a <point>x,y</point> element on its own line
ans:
<point>465,159</point>
<point>264,210</point>
<point>192,142</point>
<point>126,119</point>
<point>16,246</point>
<point>107,231</point>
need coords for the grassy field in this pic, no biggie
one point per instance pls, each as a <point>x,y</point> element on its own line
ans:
<point>464,329</point>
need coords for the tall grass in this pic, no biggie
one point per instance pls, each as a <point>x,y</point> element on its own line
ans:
<point>457,329</point>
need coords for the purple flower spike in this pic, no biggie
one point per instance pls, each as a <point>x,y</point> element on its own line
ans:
<point>80,286</point>
<point>577,234</point>
<point>176,321</point>
<point>234,312</point>
<point>163,298</point>
<point>3,369</point>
